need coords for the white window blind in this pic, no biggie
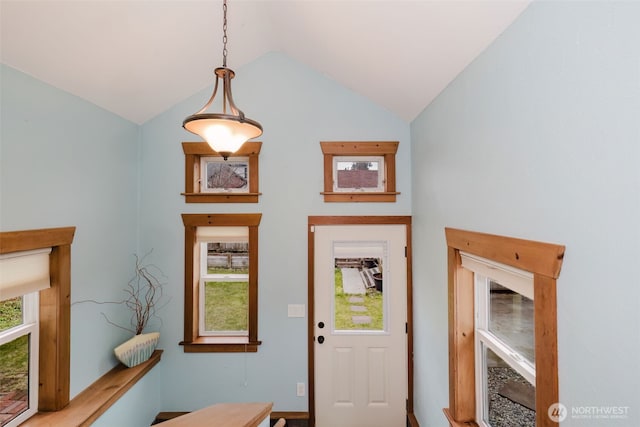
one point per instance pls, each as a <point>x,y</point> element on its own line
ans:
<point>222,234</point>
<point>358,250</point>
<point>24,272</point>
<point>517,280</point>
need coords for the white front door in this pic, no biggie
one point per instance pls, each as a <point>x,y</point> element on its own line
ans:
<point>360,348</point>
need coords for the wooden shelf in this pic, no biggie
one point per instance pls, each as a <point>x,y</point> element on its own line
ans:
<point>330,196</point>
<point>221,197</point>
<point>93,401</point>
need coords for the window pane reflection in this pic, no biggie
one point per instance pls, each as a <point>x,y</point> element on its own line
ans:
<point>511,319</point>
<point>14,378</point>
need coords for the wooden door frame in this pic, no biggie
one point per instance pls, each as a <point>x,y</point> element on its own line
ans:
<point>356,220</point>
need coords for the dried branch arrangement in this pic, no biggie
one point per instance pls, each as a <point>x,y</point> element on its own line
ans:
<point>144,296</point>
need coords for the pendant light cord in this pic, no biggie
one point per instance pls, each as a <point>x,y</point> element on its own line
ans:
<point>224,32</point>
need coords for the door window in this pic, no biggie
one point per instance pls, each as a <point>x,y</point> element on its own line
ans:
<point>358,288</point>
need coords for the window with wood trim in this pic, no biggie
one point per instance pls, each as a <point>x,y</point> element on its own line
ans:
<point>210,179</point>
<point>221,282</point>
<point>53,304</point>
<point>481,267</point>
<point>363,171</point>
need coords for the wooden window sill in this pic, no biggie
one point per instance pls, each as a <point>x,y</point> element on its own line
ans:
<point>389,196</point>
<point>221,345</point>
<point>93,401</point>
<point>455,423</point>
<point>221,197</point>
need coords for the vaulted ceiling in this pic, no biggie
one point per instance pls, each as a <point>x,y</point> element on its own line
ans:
<point>136,58</point>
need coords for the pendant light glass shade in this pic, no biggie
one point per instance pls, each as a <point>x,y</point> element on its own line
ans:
<point>225,132</point>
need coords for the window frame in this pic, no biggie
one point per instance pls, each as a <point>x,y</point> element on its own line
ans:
<point>362,150</point>
<point>54,310</point>
<point>544,261</point>
<point>194,341</point>
<point>194,193</point>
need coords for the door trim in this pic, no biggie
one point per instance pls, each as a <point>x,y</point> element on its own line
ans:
<point>355,220</point>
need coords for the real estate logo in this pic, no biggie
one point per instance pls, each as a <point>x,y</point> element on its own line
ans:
<point>557,412</point>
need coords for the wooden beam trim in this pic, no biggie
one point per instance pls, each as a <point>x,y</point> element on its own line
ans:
<point>356,220</point>
<point>535,257</point>
<point>359,148</point>
<point>201,148</point>
<point>546,348</point>
<point>25,240</point>
<point>461,339</point>
<point>222,220</point>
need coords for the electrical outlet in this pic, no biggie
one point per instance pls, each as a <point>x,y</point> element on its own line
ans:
<point>300,389</point>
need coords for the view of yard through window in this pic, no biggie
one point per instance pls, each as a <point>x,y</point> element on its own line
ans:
<point>359,305</point>
<point>226,293</point>
<point>14,360</point>
<point>227,303</point>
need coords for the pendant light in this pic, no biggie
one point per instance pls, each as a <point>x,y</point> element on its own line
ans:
<point>225,132</point>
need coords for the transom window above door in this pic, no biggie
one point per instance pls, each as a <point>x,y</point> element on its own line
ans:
<point>365,174</point>
<point>359,171</point>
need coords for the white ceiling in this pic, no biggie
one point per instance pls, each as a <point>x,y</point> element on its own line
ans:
<point>137,58</point>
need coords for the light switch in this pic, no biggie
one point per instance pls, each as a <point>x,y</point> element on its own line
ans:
<point>295,310</point>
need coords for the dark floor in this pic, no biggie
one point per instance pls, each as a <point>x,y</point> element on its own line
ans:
<point>294,423</point>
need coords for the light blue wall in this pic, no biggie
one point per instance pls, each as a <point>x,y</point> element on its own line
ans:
<point>297,108</point>
<point>539,138</point>
<point>139,406</point>
<point>66,162</point>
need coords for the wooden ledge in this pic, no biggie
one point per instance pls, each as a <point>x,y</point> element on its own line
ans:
<point>454,423</point>
<point>221,197</point>
<point>220,344</point>
<point>93,401</point>
<point>359,196</point>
